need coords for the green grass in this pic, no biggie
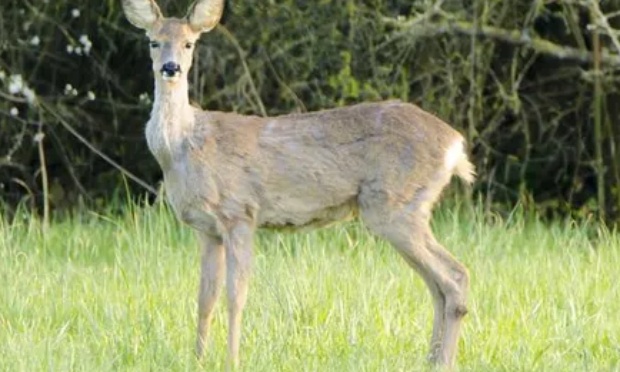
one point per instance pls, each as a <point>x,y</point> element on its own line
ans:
<point>101,293</point>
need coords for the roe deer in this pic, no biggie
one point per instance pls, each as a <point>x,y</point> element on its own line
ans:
<point>227,174</point>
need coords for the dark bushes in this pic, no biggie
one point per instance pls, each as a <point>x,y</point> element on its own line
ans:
<point>517,77</point>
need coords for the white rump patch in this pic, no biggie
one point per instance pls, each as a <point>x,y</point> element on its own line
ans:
<point>456,162</point>
<point>454,155</point>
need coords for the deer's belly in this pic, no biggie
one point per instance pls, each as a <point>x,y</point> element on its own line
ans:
<point>297,216</point>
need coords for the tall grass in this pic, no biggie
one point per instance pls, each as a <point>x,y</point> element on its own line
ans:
<point>103,292</point>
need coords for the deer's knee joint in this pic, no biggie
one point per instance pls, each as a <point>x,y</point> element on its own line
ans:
<point>457,310</point>
<point>460,311</point>
<point>456,306</point>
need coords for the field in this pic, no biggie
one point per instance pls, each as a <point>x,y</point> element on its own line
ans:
<point>110,292</point>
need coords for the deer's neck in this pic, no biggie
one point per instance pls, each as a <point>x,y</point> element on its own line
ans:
<point>172,120</point>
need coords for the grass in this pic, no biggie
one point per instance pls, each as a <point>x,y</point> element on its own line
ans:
<point>100,293</point>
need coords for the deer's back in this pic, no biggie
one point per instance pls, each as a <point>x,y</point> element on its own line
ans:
<point>308,169</point>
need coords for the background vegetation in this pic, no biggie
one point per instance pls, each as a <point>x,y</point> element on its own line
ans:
<point>532,84</point>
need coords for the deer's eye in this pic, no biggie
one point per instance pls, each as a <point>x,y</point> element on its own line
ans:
<point>189,45</point>
<point>154,44</point>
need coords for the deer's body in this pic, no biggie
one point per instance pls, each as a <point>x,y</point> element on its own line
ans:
<point>297,171</point>
<point>227,174</point>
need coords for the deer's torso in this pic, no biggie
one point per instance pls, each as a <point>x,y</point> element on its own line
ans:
<point>296,171</point>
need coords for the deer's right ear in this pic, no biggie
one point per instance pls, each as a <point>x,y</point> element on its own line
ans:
<point>142,13</point>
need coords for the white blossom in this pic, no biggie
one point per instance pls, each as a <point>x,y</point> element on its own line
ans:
<point>14,111</point>
<point>75,13</point>
<point>16,84</point>
<point>91,95</point>
<point>144,99</point>
<point>35,40</point>
<point>78,51</point>
<point>39,137</point>
<point>87,44</point>
<point>29,94</point>
<point>69,48</point>
<point>84,40</point>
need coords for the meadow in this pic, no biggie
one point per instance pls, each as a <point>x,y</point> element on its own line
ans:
<point>101,292</point>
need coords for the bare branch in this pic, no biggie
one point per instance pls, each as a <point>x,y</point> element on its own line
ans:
<point>77,135</point>
<point>244,63</point>
<point>516,37</point>
<point>602,22</point>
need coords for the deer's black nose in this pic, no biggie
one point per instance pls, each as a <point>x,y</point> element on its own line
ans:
<point>170,69</point>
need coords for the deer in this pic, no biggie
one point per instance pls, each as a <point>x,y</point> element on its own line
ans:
<point>226,175</point>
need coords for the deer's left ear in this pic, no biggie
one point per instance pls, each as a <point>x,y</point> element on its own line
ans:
<point>142,13</point>
<point>204,15</point>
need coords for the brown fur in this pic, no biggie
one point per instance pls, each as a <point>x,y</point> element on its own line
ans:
<point>227,174</point>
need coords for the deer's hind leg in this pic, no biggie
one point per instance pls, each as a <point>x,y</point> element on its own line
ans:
<point>407,228</point>
<point>457,308</point>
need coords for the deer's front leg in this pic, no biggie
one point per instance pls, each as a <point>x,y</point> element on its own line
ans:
<point>239,256</point>
<point>211,280</point>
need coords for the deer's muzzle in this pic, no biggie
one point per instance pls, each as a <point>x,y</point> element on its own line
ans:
<point>170,70</point>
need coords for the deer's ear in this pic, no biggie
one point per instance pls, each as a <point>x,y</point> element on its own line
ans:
<point>204,15</point>
<point>142,13</point>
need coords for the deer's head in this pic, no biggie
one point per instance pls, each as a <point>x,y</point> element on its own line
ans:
<point>172,39</point>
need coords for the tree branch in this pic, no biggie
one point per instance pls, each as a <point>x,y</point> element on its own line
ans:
<point>515,37</point>
<point>74,132</point>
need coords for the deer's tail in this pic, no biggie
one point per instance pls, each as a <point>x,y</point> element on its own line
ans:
<point>458,163</point>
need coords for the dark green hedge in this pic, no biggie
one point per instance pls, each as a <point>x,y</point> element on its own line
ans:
<point>527,108</point>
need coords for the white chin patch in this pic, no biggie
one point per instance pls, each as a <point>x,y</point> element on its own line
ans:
<point>170,78</point>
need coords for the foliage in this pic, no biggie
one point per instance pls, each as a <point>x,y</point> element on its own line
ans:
<point>517,77</point>
<point>68,66</point>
